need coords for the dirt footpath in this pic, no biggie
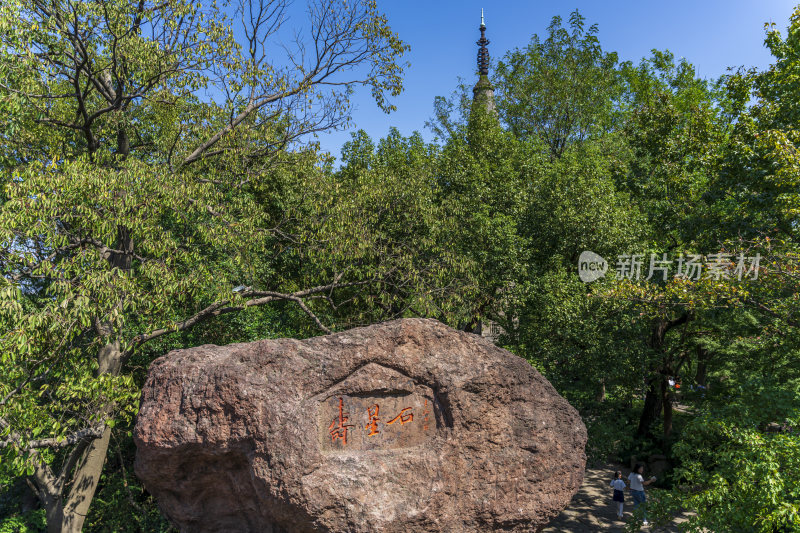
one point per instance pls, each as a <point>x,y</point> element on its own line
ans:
<point>591,509</point>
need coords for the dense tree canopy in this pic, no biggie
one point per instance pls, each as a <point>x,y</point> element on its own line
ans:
<point>562,89</point>
<point>135,207</point>
<point>157,194</point>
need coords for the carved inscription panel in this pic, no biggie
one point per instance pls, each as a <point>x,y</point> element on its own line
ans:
<point>376,408</point>
<point>375,422</point>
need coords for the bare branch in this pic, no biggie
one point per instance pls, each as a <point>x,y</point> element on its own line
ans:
<point>69,440</point>
<point>773,313</point>
<point>257,298</point>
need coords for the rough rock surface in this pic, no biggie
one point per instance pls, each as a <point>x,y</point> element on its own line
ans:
<point>403,426</point>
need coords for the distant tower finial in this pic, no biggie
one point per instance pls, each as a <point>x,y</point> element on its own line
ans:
<point>483,92</point>
<point>483,52</point>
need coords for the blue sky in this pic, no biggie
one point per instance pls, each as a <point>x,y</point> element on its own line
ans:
<point>711,34</point>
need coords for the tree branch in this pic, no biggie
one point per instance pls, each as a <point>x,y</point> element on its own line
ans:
<point>69,440</point>
<point>256,298</point>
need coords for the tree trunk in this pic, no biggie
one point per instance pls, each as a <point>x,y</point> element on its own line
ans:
<point>601,393</point>
<point>122,260</point>
<point>652,408</point>
<point>87,476</point>
<point>49,492</point>
<point>667,403</point>
<point>54,513</point>
<point>123,143</point>
<point>69,517</point>
<point>89,466</point>
<point>702,366</point>
<point>655,397</point>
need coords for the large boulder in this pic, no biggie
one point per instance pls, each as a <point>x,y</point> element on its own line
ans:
<point>403,426</point>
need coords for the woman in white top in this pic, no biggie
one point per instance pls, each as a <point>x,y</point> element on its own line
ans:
<point>637,489</point>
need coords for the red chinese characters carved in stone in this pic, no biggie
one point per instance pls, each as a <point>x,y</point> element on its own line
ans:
<point>405,416</point>
<point>373,420</point>
<point>338,428</point>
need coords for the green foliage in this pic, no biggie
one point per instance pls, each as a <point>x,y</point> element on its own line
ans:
<point>671,163</point>
<point>138,216</point>
<point>581,344</point>
<point>674,127</point>
<point>741,460</point>
<point>451,212</point>
<point>134,205</point>
<point>611,425</point>
<point>575,205</point>
<point>561,90</point>
<point>661,507</point>
<point>389,191</point>
<point>756,191</point>
<point>30,522</point>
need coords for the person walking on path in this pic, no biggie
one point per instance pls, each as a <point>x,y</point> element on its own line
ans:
<point>619,495</point>
<point>637,489</point>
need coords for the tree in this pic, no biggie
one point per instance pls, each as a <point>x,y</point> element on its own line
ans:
<point>483,178</point>
<point>451,210</point>
<point>390,187</point>
<point>739,455</point>
<point>134,206</point>
<point>674,127</point>
<point>562,90</point>
<point>578,341</point>
<point>736,452</point>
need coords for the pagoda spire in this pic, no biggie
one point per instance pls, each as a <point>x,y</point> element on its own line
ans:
<point>483,52</point>
<point>483,92</point>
